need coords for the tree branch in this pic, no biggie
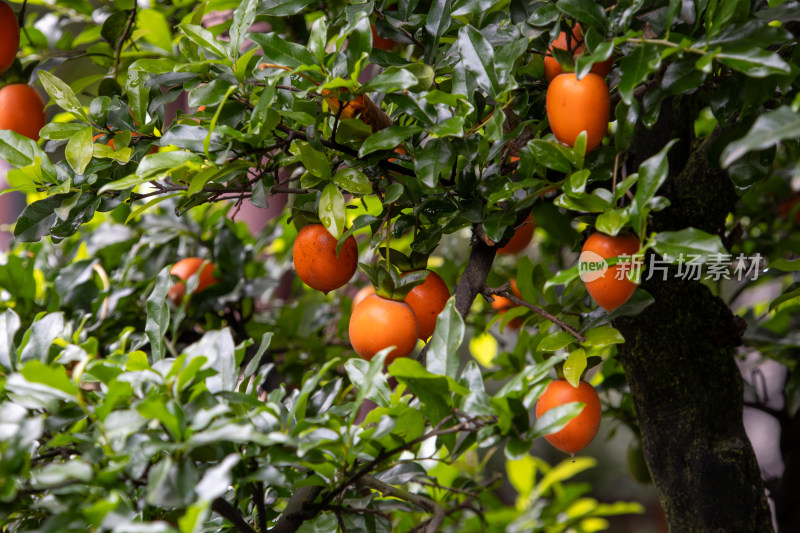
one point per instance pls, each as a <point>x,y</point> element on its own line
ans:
<point>429,505</point>
<point>223,508</point>
<point>300,508</point>
<point>503,291</point>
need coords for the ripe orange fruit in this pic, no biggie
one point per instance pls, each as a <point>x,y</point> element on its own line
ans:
<point>608,291</point>
<point>427,300</point>
<point>185,269</point>
<point>502,304</point>
<point>521,239</point>
<point>9,36</point>
<point>362,293</point>
<point>22,110</point>
<point>552,67</point>
<point>576,105</point>
<point>316,262</point>
<point>378,323</point>
<point>580,430</point>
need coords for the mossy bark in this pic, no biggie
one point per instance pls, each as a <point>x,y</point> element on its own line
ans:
<point>678,357</point>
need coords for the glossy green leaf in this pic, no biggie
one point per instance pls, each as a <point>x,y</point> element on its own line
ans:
<point>332,210</point>
<point>477,56</point>
<point>442,357</point>
<point>353,181</point>
<point>688,242</point>
<point>62,94</point>
<point>387,139</point>
<point>574,367</point>
<point>79,150</point>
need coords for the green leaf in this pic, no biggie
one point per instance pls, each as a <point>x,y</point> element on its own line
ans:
<point>477,56</point>
<point>611,222</point>
<point>154,163</point>
<point>315,162</point>
<point>158,315</point>
<point>369,380</point>
<point>652,174</point>
<point>20,152</point>
<point>555,341</point>
<point>353,181</point>
<point>442,357</point>
<point>636,67</point>
<point>9,325</point>
<point>435,157</point>
<point>218,348</point>
<point>792,292</point>
<point>204,39</point>
<point>588,12</point>
<point>390,80</point>
<point>282,8</point>
<point>114,27</point>
<point>431,389</point>
<point>768,130</point>
<point>602,336</point>
<point>754,62</point>
<point>436,24</point>
<point>553,420</point>
<point>332,210</point>
<point>688,242</point>
<point>574,367</point>
<point>40,337</point>
<point>53,376</point>
<point>122,184</point>
<point>62,94</point>
<point>79,150</point>
<point>60,131</point>
<point>387,139</point>
<point>243,17</point>
<point>282,52</point>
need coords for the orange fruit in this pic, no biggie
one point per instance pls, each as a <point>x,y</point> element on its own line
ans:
<point>502,304</point>
<point>380,42</point>
<point>185,269</point>
<point>9,36</point>
<point>427,300</point>
<point>552,67</point>
<point>316,261</point>
<point>579,431</point>
<point>521,239</point>
<point>350,109</point>
<point>362,293</point>
<point>608,291</point>
<point>576,105</point>
<point>22,110</point>
<point>378,323</point>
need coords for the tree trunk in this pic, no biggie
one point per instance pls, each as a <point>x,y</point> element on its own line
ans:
<point>678,357</point>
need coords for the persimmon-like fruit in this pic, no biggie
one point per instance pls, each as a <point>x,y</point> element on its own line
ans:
<point>552,67</point>
<point>9,36</point>
<point>521,239</point>
<point>316,260</point>
<point>378,323</point>
<point>579,431</point>
<point>502,304</point>
<point>613,288</point>
<point>362,293</point>
<point>575,105</point>
<point>427,300</point>
<point>22,110</point>
<point>185,269</point>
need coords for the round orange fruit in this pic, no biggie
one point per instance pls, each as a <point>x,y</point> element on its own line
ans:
<point>22,110</point>
<point>523,236</point>
<point>378,323</point>
<point>575,105</point>
<point>316,260</point>
<point>579,431</point>
<point>612,288</point>
<point>9,36</point>
<point>185,269</point>
<point>428,300</point>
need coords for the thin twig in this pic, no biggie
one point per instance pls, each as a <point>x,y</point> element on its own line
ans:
<point>223,508</point>
<point>504,291</point>
<point>429,505</point>
<point>123,38</point>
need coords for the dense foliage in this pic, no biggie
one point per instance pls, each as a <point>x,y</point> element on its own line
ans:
<point>244,408</point>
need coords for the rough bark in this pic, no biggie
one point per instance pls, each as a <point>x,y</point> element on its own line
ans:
<point>678,357</point>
